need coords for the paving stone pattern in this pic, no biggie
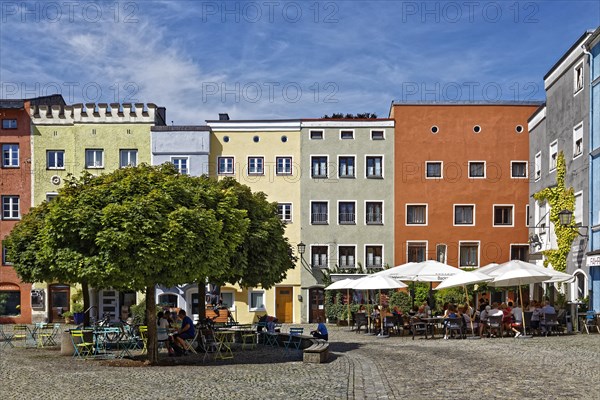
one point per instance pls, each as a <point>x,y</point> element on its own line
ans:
<point>360,367</point>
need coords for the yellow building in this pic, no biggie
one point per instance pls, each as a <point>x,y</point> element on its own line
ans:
<point>264,155</point>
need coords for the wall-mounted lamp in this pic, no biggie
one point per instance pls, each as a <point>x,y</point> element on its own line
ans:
<point>565,217</point>
<point>301,248</point>
<point>300,298</point>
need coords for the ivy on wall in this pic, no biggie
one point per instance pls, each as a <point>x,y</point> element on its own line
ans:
<point>559,198</point>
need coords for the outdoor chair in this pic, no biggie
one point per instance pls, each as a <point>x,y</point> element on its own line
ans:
<point>249,338</point>
<point>474,330</point>
<point>549,324</point>
<point>591,321</point>
<point>361,320</point>
<point>390,323</point>
<point>144,338</point>
<point>46,335</point>
<point>209,344</point>
<point>271,338</point>
<point>162,343</point>
<point>528,327</point>
<point>191,344</point>
<point>495,324</point>
<point>6,337</point>
<point>294,338</point>
<point>453,325</point>
<point>21,332</point>
<point>418,327</point>
<point>82,349</point>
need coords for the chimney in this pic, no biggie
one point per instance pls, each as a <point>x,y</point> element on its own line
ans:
<point>160,118</point>
<point>223,117</point>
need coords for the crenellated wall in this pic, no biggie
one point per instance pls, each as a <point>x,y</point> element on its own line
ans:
<point>104,113</point>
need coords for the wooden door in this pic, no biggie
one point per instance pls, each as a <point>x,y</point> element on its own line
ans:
<point>317,304</point>
<point>59,302</point>
<point>283,304</point>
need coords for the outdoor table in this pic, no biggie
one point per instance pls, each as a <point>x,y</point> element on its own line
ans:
<point>432,322</point>
<point>224,338</point>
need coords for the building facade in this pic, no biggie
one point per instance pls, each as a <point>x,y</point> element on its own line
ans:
<point>560,125</point>
<point>187,147</point>
<point>347,202</point>
<point>461,182</point>
<point>264,155</point>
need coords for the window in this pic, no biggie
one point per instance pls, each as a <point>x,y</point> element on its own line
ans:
<point>10,207</point>
<point>319,212</point>
<point>578,78</point>
<point>284,210</point>
<point>347,255</point>
<point>518,169</point>
<point>11,301</point>
<point>228,299</point>
<point>167,300</point>
<point>225,165</point>
<point>10,155</point>
<point>476,169</point>
<point>433,169</point>
<point>519,252</point>
<point>347,213</point>
<point>347,134</point>
<point>51,196</point>
<point>319,167</point>
<point>94,158</point>
<point>527,217</point>
<point>374,213</point>
<point>4,257</point>
<point>578,211</point>
<point>55,159</point>
<point>127,158</point>
<point>464,215</point>
<point>346,167</point>
<point>578,140</point>
<point>316,135</point>
<point>257,301</point>
<point>538,166</point>
<point>416,251</point>
<point>319,256</point>
<point>440,253</point>
<point>377,135</point>
<point>256,165</point>
<point>9,124</point>
<point>283,165</point>
<point>416,215</point>
<point>553,155</point>
<point>469,254</point>
<point>374,256</point>
<point>503,215</point>
<point>374,167</point>
<point>181,163</point>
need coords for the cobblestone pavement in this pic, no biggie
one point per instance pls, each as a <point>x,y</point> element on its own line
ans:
<point>360,367</point>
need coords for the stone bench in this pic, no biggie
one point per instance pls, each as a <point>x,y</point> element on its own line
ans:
<point>317,353</point>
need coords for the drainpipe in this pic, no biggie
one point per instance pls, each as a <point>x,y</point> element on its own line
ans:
<point>593,296</point>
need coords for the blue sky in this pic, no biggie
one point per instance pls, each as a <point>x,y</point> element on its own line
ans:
<point>284,59</point>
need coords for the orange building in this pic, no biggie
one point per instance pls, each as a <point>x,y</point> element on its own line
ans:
<point>461,182</point>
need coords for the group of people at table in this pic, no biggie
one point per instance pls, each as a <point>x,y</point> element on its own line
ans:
<point>174,338</point>
<point>511,317</point>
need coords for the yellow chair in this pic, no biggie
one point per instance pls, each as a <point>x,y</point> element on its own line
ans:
<point>144,336</point>
<point>82,348</point>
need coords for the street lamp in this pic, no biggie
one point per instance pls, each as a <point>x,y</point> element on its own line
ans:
<point>301,248</point>
<point>565,217</point>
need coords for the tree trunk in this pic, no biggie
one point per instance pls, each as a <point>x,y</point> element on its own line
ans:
<point>201,300</point>
<point>151,320</point>
<point>85,290</point>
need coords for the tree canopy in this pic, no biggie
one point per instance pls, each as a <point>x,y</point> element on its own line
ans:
<point>141,226</point>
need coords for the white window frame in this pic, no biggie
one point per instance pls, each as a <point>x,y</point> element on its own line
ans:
<point>227,172</point>
<point>382,212</point>
<point>465,242</point>
<point>261,307</point>
<point>340,176</point>
<point>285,169</point>
<point>382,255</point>
<point>284,205</point>
<point>346,131</point>
<point>441,169</point>
<point>484,169</point>
<point>178,166</point>
<point>13,162</point>
<point>538,166</point>
<point>463,205</point>
<point>409,242</point>
<point>512,216</point>
<point>378,130</point>
<point>51,196</point>
<point>326,255</point>
<point>526,169</point>
<point>515,245</point>
<point>367,176</point>
<point>355,212</point>
<point>554,144</point>
<point>426,205</point>
<point>339,255</point>
<point>445,260</point>
<point>578,217</point>
<point>129,153</point>
<point>327,172</point>
<point>95,152</point>
<point>258,171</point>
<point>576,88</point>
<point>310,134</point>
<point>328,212</point>
<point>225,292</point>
<point>14,203</point>
<point>55,153</point>
<point>577,134</point>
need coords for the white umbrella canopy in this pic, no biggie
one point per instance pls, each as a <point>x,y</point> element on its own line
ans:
<point>468,278</point>
<point>375,281</point>
<point>517,277</point>
<point>425,271</point>
<point>345,283</point>
<point>495,270</point>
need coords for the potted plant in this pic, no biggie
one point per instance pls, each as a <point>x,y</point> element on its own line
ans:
<point>78,313</point>
<point>68,316</point>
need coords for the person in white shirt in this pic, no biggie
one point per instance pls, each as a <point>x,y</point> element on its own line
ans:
<point>517,323</point>
<point>162,334</point>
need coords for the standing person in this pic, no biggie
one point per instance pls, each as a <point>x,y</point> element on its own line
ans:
<point>321,332</point>
<point>186,331</point>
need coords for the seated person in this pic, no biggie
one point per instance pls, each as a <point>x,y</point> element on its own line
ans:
<point>163,334</point>
<point>186,331</point>
<point>321,332</point>
<point>483,319</point>
<point>517,324</point>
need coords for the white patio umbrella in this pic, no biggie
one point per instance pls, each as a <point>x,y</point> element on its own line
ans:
<point>463,280</point>
<point>425,271</point>
<point>497,269</point>
<point>377,282</point>
<point>345,283</point>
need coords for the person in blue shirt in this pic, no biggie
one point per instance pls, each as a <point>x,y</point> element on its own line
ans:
<point>321,332</point>
<point>186,331</point>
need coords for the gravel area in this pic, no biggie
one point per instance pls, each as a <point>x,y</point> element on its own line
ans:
<point>360,367</point>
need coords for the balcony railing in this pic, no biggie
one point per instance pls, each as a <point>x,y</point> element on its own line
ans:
<point>347,218</point>
<point>374,218</point>
<point>319,218</point>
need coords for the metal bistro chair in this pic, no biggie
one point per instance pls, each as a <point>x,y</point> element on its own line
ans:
<point>361,320</point>
<point>6,337</point>
<point>550,324</point>
<point>191,344</point>
<point>294,334</point>
<point>494,323</point>
<point>418,327</point>
<point>82,348</point>
<point>209,344</point>
<point>591,321</point>
<point>453,325</point>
